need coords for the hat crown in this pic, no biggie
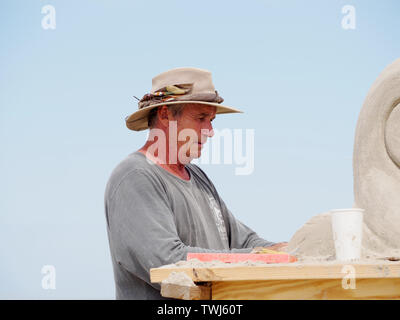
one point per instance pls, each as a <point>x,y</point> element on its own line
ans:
<point>200,78</point>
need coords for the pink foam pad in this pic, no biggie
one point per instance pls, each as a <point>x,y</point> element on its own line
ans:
<point>238,257</point>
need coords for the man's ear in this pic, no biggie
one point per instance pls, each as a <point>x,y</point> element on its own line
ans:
<point>163,115</point>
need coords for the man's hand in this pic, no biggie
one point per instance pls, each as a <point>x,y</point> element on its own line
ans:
<point>280,246</point>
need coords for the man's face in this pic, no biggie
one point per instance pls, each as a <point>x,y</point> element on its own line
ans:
<point>193,129</point>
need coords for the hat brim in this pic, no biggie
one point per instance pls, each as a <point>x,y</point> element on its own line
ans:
<point>137,121</point>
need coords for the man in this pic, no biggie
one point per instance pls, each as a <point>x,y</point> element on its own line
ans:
<point>158,205</point>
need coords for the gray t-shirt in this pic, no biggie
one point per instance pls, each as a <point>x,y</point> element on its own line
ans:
<point>155,218</point>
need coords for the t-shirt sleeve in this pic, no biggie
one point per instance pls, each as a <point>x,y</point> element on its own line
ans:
<point>142,228</point>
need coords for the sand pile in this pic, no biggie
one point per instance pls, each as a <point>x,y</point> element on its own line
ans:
<point>179,278</point>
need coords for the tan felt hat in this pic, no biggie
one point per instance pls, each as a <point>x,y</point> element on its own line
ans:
<point>176,86</point>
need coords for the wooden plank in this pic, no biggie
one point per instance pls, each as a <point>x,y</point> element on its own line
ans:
<point>176,291</point>
<point>292,271</point>
<point>325,289</point>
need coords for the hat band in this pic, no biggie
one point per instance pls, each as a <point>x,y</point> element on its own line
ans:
<point>179,92</point>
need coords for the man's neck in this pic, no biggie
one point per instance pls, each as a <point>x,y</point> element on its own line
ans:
<point>178,169</point>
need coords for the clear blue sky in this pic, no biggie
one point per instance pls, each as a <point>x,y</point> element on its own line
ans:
<point>298,75</point>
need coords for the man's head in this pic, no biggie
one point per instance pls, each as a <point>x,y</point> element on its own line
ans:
<point>186,128</point>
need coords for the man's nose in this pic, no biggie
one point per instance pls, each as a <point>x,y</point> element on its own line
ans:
<point>208,131</point>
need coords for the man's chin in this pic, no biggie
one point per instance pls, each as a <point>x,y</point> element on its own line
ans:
<point>190,157</point>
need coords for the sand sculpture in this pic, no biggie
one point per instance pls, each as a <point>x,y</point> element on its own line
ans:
<point>376,170</point>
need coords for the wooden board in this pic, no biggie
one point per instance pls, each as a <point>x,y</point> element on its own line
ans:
<point>199,292</point>
<point>292,271</point>
<point>322,289</point>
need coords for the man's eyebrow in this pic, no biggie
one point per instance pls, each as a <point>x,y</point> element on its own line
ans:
<point>205,114</point>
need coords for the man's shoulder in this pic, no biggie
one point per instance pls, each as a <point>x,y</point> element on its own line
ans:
<point>135,161</point>
<point>133,164</point>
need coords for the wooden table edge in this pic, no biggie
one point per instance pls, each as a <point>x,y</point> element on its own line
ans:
<point>282,272</point>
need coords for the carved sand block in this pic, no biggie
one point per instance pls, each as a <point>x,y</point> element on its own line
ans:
<point>376,168</point>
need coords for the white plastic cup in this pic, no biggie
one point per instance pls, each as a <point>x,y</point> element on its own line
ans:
<point>347,233</point>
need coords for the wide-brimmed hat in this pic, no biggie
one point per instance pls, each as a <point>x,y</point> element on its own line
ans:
<point>176,86</point>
